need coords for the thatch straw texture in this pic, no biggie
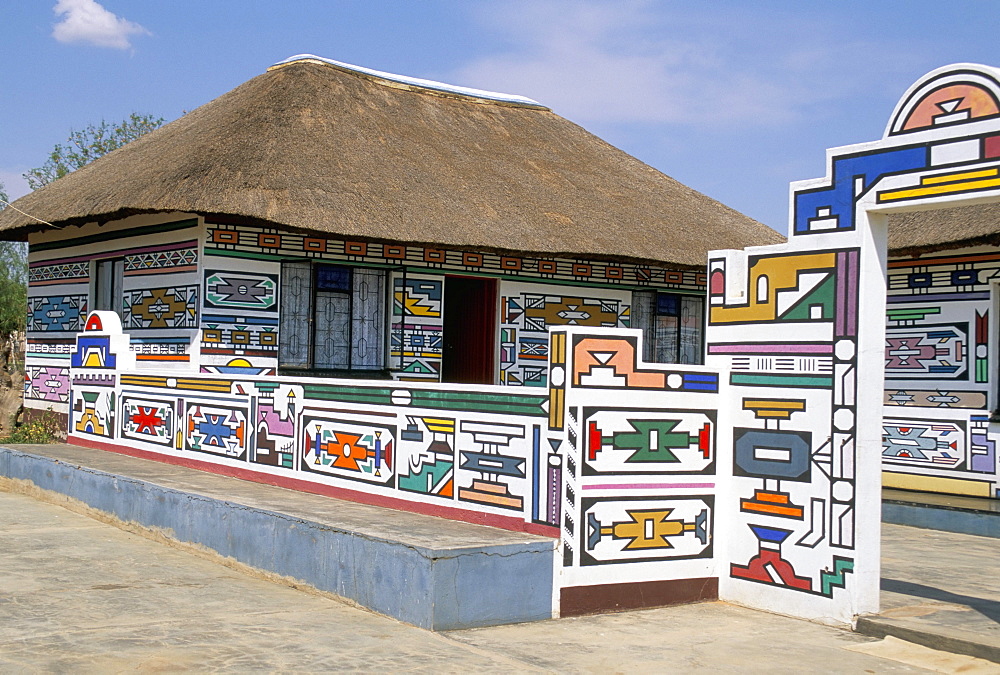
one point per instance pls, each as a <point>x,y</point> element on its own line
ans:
<point>316,147</point>
<point>924,231</point>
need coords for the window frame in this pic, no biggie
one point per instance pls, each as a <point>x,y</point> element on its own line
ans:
<point>648,315</point>
<point>315,291</point>
<point>117,285</point>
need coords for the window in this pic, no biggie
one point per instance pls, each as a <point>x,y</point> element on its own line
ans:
<point>108,275</point>
<point>672,325</point>
<point>332,318</point>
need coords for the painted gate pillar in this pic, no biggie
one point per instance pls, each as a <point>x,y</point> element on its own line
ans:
<point>635,478</point>
<point>800,329</point>
<point>800,345</point>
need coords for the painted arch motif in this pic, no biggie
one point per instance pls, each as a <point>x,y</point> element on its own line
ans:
<point>953,97</point>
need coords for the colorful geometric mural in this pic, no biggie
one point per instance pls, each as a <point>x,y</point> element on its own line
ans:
<point>430,471</point>
<point>527,311</point>
<point>160,308</point>
<point>220,430</point>
<point>942,445</point>
<point>793,441</point>
<point>230,239</point>
<point>928,351</point>
<point>415,337</point>
<point>239,290</point>
<point>147,419</point>
<point>56,313</point>
<point>348,449</point>
<point>645,530</point>
<point>46,383</point>
<point>491,471</point>
<point>942,370</point>
<point>276,409</point>
<point>635,441</point>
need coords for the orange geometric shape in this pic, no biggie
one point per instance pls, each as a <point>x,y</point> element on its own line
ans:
<point>950,104</point>
<point>617,354</point>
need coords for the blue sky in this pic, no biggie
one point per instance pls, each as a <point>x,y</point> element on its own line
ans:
<point>734,99</point>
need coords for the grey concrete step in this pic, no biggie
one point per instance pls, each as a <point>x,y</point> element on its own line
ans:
<point>930,634</point>
<point>427,571</point>
<point>952,513</point>
<point>939,589</point>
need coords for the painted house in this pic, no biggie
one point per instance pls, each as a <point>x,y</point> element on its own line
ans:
<point>324,220</point>
<point>347,282</point>
<point>940,427</point>
<point>341,281</point>
<point>942,378</point>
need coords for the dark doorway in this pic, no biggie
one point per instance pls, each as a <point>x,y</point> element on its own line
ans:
<point>470,322</point>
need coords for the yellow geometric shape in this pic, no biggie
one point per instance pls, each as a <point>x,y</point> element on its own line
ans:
<point>443,426</point>
<point>944,184</point>
<point>782,274</point>
<point>952,486</point>
<point>413,306</point>
<point>774,408</point>
<point>953,177</point>
<point>647,529</point>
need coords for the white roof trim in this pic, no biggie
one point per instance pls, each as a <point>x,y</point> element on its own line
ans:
<point>418,82</point>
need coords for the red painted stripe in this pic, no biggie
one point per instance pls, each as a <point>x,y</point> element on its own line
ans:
<point>503,522</point>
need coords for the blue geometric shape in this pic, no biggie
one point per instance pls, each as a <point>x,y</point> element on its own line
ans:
<point>772,535</point>
<point>772,454</point>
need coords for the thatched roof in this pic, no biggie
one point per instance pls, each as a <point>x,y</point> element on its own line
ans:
<point>317,146</point>
<point>926,231</point>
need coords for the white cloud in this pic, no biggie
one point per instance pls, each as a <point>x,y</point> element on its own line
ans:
<point>644,61</point>
<point>88,22</point>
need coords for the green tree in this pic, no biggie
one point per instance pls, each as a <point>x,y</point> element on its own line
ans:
<point>13,291</point>
<point>84,146</point>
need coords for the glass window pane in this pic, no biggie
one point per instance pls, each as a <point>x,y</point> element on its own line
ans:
<point>643,311</point>
<point>294,339</point>
<point>666,339</point>
<point>668,304</point>
<point>368,317</point>
<point>333,278</point>
<point>692,330</point>
<point>332,331</point>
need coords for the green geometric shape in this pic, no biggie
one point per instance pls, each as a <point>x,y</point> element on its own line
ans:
<point>911,313</point>
<point>821,295</point>
<point>647,449</point>
<point>779,380</point>
<point>430,474</point>
<point>418,367</point>
<point>837,578</point>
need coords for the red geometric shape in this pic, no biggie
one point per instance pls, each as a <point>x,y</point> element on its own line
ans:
<point>93,323</point>
<point>718,284</point>
<point>146,419</point>
<point>593,441</point>
<point>991,147</point>
<point>760,566</point>
<point>704,435</point>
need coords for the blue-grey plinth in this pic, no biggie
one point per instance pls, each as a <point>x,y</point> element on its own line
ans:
<point>468,576</point>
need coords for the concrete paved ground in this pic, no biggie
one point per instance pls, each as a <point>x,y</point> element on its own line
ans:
<point>941,589</point>
<point>78,595</point>
<point>417,568</point>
